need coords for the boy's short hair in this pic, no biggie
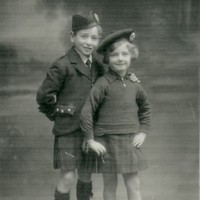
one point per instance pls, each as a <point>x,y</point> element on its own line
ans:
<point>80,22</point>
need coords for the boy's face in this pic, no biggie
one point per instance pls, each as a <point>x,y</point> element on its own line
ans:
<point>120,58</point>
<point>86,40</point>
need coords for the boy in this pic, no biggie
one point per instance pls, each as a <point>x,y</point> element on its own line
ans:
<point>61,97</point>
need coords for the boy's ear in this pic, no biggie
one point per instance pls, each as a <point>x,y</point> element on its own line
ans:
<point>72,35</point>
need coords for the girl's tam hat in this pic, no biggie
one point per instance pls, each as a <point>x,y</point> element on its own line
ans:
<point>129,34</point>
<point>80,22</point>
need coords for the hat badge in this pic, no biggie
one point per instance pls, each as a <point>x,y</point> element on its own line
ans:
<point>96,17</point>
<point>132,37</point>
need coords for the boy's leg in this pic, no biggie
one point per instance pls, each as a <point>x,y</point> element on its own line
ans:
<point>110,186</point>
<point>84,185</point>
<point>64,185</point>
<point>132,183</point>
<point>67,153</point>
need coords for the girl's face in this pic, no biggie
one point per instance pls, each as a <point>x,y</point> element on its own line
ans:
<point>120,58</point>
<point>86,40</point>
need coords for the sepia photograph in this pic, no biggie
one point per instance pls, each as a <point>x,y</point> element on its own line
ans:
<point>99,100</point>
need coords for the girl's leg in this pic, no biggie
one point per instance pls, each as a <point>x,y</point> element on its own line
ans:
<point>64,185</point>
<point>132,184</point>
<point>110,186</point>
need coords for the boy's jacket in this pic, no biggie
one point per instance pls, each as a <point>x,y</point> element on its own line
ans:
<point>65,89</point>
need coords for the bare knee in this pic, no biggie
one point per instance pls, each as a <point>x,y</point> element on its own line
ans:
<point>67,178</point>
<point>132,182</point>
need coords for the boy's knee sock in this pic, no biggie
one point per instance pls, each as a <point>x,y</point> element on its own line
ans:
<point>61,196</point>
<point>83,190</point>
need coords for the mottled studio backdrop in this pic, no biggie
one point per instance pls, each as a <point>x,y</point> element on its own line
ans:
<point>33,33</point>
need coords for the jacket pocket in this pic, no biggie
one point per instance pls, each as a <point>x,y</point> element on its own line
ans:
<point>65,110</point>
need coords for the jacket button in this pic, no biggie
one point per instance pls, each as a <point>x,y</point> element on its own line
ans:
<point>62,111</point>
<point>57,109</point>
<point>69,109</point>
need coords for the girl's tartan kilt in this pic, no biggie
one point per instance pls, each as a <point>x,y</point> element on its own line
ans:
<point>121,156</point>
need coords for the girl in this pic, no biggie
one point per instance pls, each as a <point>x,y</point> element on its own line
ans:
<point>116,117</point>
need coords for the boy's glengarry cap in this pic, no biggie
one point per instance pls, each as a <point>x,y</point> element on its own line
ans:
<point>80,22</point>
<point>112,37</point>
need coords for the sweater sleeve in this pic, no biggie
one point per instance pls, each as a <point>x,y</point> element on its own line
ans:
<point>89,110</point>
<point>47,92</point>
<point>144,110</point>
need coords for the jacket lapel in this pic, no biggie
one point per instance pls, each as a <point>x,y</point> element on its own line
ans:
<point>77,61</point>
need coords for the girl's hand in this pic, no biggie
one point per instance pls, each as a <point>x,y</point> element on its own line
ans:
<point>97,147</point>
<point>139,139</point>
<point>134,79</point>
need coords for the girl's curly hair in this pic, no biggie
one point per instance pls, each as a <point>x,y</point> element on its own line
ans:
<point>132,48</point>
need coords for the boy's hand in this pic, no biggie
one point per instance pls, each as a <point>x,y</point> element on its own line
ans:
<point>84,146</point>
<point>139,139</point>
<point>134,79</point>
<point>97,147</point>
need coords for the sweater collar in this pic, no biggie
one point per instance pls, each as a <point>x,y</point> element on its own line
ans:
<point>112,76</point>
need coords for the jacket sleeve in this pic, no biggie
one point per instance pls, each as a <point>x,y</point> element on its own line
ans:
<point>144,110</point>
<point>47,92</point>
<point>89,111</point>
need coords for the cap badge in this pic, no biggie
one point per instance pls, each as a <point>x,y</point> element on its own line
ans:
<point>132,36</point>
<point>96,17</point>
